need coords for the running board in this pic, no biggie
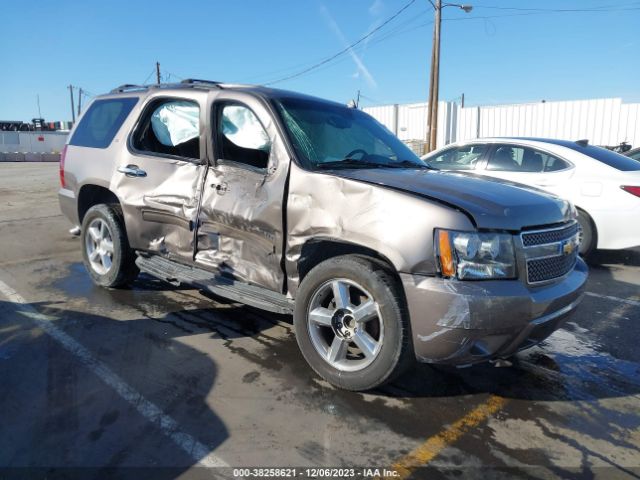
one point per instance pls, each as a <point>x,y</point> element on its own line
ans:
<point>177,273</point>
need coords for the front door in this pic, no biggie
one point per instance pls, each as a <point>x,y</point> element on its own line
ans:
<point>241,216</point>
<point>160,178</point>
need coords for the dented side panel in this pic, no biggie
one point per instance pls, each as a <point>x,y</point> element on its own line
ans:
<point>158,213</point>
<point>397,225</point>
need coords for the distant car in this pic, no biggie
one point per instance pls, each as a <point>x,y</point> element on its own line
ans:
<point>603,185</point>
<point>635,153</point>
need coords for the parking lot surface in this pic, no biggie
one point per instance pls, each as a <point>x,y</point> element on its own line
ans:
<point>164,378</point>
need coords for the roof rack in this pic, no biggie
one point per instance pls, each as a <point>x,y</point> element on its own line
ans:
<point>188,82</point>
<point>193,81</point>
<point>128,86</point>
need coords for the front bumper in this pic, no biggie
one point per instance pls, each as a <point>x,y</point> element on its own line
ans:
<point>464,322</point>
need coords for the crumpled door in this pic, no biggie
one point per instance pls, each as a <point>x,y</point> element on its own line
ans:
<point>159,180</point>
<point>240,230</point>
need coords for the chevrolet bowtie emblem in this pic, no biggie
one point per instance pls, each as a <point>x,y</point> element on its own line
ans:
<point>567,248</point>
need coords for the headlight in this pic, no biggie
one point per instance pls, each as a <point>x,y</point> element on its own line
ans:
<point>475,256</point>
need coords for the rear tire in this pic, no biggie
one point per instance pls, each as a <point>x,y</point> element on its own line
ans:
<point>353,348</point>
<point>588,234</point>
<point>106,253</point>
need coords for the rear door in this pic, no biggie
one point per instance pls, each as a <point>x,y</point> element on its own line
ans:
<point>159,177</point>
<point>241,227</point>
<point>529,166</point>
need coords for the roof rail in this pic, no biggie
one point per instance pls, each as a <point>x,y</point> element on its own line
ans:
<point>192,81</point>
<point>128,86</point>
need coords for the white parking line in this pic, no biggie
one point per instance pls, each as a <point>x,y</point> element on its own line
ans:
<point>635,303</point>
<point>169,427</point>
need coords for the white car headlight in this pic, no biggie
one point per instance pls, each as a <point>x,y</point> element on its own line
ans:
<point>475,256</point>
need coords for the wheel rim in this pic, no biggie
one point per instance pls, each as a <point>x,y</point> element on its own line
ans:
<point>345,325</point>
<point>99,246</point>
<point>584,237</point>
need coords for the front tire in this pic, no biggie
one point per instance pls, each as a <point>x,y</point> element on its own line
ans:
<point>106,253</point>
<point>352,323</point>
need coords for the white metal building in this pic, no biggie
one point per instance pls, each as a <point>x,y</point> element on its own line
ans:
<point>606,121</point>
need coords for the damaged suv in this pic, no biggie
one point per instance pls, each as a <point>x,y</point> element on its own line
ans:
<point>302,206</point>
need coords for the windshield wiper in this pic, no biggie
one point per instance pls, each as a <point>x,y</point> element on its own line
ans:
<point>407,164</point>
<point>350,163</point>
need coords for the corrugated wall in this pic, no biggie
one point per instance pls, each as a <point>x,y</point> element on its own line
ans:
<point>409,121</point>
<point>32,142</point>
<point>602,121</point>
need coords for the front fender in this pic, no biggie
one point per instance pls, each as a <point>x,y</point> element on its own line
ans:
<point>397,225</point>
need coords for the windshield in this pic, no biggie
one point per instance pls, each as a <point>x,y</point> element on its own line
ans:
<point>326,135</point>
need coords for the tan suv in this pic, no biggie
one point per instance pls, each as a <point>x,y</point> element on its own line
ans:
<point>294,204</point>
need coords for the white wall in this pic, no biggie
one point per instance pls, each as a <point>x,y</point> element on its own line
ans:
<point>602,121</point>
<point>32,142</point>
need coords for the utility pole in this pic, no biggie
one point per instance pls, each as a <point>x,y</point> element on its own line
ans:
<point>358,100</point>
<point>38,100</point>
<point>158,73</point>
<point>432,118</point>
<point>79,101</point>
<point>462,101</point>
<point>434,79</point>
<point>73,111</point>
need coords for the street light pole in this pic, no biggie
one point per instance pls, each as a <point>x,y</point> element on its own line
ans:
<point>434,78</point>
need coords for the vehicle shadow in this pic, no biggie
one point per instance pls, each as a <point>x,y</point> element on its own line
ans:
<point>98,396</point>
<point>599,258</point>
<point>570,365</point>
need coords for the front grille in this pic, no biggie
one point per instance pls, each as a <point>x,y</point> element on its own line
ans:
<point>549,236</point>
<point>547,254</point>
<point>549,268</point>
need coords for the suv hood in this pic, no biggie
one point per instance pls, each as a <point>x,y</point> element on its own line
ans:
<point>491,203</point>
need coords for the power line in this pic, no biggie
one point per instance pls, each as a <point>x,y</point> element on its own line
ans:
<point>568,10</point>
<point>149,76</point>
<point>399,30</point>
<point>343,51</point>
<point>169,75</point>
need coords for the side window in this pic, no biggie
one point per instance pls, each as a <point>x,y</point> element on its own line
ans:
<point>170,127</point>
<point>102,121</point>
<point>523,159</point>
<point>553,164</point>
<point>241,136</point>
<point>458,158</point>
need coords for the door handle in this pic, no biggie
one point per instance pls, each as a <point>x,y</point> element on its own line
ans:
<point>221,188</point>
<point>132,171</point>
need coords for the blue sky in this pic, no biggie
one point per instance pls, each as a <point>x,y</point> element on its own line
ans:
<point>494,54</point>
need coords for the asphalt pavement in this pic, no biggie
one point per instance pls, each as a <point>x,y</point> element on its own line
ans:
<point>162,379</point>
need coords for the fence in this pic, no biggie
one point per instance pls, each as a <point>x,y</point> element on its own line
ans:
<point>601,121</point>
<point>32,142</point>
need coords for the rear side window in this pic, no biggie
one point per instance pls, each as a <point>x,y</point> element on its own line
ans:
<point>102,121</point>
<point>170,127</point>
<point>509,158</point>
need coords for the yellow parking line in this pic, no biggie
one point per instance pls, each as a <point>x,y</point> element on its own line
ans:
<point>426,452</point>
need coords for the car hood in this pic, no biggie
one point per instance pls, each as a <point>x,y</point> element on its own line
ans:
<point>491,203</point>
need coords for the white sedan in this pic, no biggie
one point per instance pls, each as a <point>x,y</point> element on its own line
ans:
<point>603,185</point>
